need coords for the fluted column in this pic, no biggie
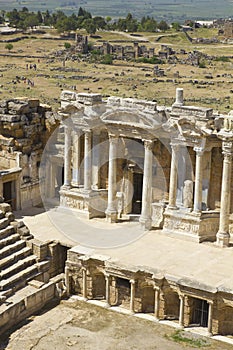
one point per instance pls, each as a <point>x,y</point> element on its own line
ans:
<point>145,218</point>
<point>111,211</point>
<point>173,177</point>
<point>87,161</point>
<point>223,236</point>
<point>181,313</point>
<point>76,159</point>
<point>197,207</point>
<point>67,156</point>
<point>132,295</point>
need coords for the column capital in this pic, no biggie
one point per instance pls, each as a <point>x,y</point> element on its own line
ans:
<point>227,149</point>
<point>113,137</point>
<point>175,146</point>
<point>148,144</point>
<point>199,150</point>
<point>132,281</point>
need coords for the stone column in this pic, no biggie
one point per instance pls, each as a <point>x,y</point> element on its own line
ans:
<point>210,316</point>
<point>67,156</point>
<point>198,180</point>
<point>76,159</point>
<point>107,286</point>
<point>223,236</point>
<point>111,211</point>
<point>87,161</point>
<point>67,280</point>
<point>145,218</point>
<point>95,159</point>
<point>132,295</point>
<point>173,177</point>
<point>181,314</point>
<point>84,275</point>
<point>156,309</point>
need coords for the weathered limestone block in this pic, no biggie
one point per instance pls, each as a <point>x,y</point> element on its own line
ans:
<point>6,141</point>
<point>18,107</point>
<point>10,118</point>
<point>4,207</point>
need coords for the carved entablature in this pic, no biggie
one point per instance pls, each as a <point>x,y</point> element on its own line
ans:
<point>131,118</point>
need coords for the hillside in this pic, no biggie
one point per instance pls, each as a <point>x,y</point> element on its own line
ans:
<point>174,10</point>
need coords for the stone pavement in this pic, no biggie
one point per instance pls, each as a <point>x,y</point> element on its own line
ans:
<point>204,266</point>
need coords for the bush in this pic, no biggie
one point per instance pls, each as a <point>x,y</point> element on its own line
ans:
<point>152,60</point>
<point>107,59</point>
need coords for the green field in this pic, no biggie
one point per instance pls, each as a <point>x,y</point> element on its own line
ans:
<point>172,10</point>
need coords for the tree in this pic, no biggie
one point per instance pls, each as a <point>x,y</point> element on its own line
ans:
<point>176,26</point>
<point>163,26</point>
<point>31,21</point>
<point>89,25</point>
<point>9,47</point>
<point>67,46</point>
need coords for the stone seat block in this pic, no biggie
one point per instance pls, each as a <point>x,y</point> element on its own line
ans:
<point>19,280</point>
<point>17,267</point>
<point>13,258</point>
<point>5,232</point>
<point>4,223</point>
<point>10,245</point>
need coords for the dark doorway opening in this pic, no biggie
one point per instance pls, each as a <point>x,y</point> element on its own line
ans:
<point>200,313</point>
<point>59,179</point>
<point>137,194</point>
<point>9,193</point>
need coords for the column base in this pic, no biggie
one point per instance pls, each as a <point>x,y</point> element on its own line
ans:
<point>111,216</point>
<point>146,223</point>
<point>223,239</point>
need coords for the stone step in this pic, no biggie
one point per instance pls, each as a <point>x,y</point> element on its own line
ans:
<point>13,258</point>
<point>4,223</point>
<point>11,245</point>
<point>20,279</point>
<point>17,267</point>
<point>5,232</point>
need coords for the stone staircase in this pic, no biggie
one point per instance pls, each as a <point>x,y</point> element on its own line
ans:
<point>18,264</point>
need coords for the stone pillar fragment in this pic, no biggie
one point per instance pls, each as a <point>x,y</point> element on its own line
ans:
<point>95,160</point>
<point>84,278</point>
<point>145,218</point>
<point>107,292</point>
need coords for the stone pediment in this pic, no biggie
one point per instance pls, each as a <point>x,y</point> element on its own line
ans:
<point>187,128</point>
<point>132,118</point>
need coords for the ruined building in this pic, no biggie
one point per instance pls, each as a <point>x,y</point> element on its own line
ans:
<point>122,160</point>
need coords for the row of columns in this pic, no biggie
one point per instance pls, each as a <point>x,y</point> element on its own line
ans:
<point>91,158</point>
<point>223,236</point>
<point>132,298</point>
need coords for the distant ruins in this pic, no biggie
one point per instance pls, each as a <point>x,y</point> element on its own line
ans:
<point>120,159</point>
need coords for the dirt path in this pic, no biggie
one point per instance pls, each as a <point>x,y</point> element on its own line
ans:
<point>78,325</point>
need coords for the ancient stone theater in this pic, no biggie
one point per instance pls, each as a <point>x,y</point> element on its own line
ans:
<point>135,166</point>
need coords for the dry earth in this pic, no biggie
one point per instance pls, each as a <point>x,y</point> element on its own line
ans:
<point>78,325</point>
